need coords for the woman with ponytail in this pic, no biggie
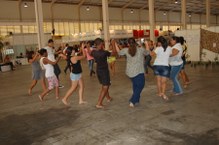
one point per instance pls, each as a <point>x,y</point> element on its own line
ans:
<point>161,64</point>
<point>134,68</point>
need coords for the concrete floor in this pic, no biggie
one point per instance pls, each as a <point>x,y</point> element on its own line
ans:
<point>189,119</point>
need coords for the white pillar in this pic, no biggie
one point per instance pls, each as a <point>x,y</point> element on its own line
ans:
<point>20,15</point>
<point>79,18</point>
<point>52,16</point>
<point>151,19</point>
<point>106,23</point>
<point>39,22</point>
<point>168,19</point>
<point>183,14</point>
<point>208,13</point>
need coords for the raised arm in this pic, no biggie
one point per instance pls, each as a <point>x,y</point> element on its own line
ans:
<point>117,47</point>
<point>34,58</point>
<point>152,53</point>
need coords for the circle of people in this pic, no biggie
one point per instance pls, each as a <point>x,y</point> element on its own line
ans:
<point>170,59</point>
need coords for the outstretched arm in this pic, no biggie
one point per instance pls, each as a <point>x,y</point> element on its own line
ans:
<point>152,53</point>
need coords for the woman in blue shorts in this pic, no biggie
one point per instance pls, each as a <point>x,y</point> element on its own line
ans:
<point>75,75</point>
<point>161,65</point>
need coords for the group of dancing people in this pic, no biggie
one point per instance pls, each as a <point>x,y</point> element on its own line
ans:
<point>168,63</point>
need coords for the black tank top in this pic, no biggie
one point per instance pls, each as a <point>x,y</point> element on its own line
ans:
<point>76,68</point>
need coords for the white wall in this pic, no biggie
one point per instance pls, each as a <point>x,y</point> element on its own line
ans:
<point>192,38</point>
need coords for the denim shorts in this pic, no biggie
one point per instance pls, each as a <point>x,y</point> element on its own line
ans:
<point>75,77</point>
<point>163,71</point>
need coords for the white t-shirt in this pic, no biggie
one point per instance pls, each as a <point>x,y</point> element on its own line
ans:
<point>177,59</point>
<point>51,53</point>
<point>49,69</point>
<point>162,57</point>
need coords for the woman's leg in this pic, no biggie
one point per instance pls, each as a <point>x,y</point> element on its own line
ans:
<point>81,91</point>
<point>174,77</point>
<point>163,87</point>
<point>112,68</point>
<point>159,86</point>
<point>43,83</point>
<point>74,85</point>
<point>33,84</point>
<point>138,83</point>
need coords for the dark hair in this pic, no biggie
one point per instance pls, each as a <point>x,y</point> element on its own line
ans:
<point>132,46</point>
<point>176,39</point>
<point>182,40</point>
<point>66,45</point>
<point>42,51</point>
<point>30,55</point>
<point>98,41</point>
<point>163,42</point>
<point>50,41</point>
<point>69,50</point>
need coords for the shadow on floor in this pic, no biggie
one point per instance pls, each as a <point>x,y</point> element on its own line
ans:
<point>26,129</point>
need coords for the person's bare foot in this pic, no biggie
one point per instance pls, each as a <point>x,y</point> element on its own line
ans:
<point>82,102</point>
<point>65,102</point>
<point>30,92</point>
<point>109,99</point>
<point>57,97</point>
<point>165,97</point>
<point>40,97</point>
<point>159,95</point>
<point>99,106</point>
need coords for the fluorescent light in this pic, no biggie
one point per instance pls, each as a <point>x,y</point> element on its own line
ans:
<point>88,8</point>
<point>164,13</point>
<point>176,1</point>
<point>25,5</point>
<point>132,11</point>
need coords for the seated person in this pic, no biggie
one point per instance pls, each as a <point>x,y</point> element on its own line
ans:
<point>7,60</point>
<point>20,56</point>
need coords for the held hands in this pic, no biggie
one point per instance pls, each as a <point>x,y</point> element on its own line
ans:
<point>146,45</point>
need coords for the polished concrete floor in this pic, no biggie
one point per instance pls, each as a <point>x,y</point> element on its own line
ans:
<point>189,119</point>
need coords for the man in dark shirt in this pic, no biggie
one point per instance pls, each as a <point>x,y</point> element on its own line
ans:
<point>100,56</point>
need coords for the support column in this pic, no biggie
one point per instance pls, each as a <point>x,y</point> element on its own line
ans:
<point>183,14</point>
<point>208,13</point>
<point>106,23</point>
<point>79,18</point>
<point>151,19</point>
<point>39,22</point>
<point>52,16</point>
<point>168,19</point>
<point>20,15</point>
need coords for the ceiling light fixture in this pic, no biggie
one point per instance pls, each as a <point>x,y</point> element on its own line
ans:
<point>190,15</point>
<point>132,11</point>
<point>25,5</point>
<point>164,13</point>
<point>88,8</point>
<point>176,1</point>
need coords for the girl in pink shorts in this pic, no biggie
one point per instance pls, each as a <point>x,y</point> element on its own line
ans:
<point>47,65</point>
